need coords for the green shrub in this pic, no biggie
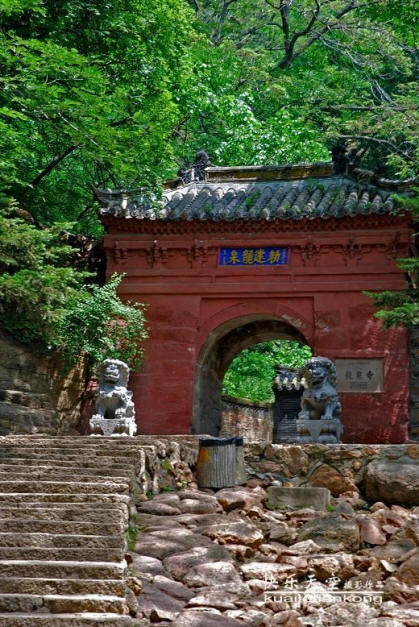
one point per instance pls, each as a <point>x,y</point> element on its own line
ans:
<point>43,300</point>
<point>99,325</point>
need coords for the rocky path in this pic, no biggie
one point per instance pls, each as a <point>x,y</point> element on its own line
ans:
<point>209,559</point>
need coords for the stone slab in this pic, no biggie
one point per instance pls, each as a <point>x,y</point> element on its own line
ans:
<point>360,375</point>
<point>298,498</point>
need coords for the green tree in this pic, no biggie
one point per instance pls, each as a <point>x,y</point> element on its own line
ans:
<point>251,373</point>
<point>45,301</point>
<point>401,308</point>
<point>89,93</point>
<point>345,68</point>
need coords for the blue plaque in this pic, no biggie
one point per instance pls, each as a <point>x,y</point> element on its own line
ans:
<point>270,256</point>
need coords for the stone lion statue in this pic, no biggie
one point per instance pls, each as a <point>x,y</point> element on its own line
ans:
<point>320,402</point>
<point>115,412</point>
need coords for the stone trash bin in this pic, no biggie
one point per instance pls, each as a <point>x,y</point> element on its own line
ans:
<point>216,467</point>
<point>221,462</point>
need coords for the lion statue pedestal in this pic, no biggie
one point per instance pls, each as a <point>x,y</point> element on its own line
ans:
<point>319,418</point>
<point>115,412</point>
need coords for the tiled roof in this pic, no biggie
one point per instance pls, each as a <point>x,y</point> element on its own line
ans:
<point>238,199</point>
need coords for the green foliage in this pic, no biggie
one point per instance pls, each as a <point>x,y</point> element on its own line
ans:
<point>97,324</point>
<point>45,300</point>
<point>89,92</point>
<point>36,281</point>
<point>252,372</point>
<point>401,308</point>
<point>119,92</point>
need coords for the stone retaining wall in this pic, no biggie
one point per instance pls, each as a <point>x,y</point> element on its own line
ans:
<point>34,395</point>
<point>253,421</point>
<point>388,472</point>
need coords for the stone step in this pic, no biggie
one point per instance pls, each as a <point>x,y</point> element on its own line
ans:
<point>77,452</point>
<point>17,525</point>
<point>70,554</point>
<point>61,440</point>
<point>54,471</point>
<point>98,449</point>
<point>60,604</point>
<point>60,541</point>
<point>64,569</point>
<point>41,497</point>
<point>85,619</point>
<point>62,477</point>
<point>82,513</point>
<point>57,464</point>
<point>122,458</point>
<point>27,585</point>
<point>68,487</point>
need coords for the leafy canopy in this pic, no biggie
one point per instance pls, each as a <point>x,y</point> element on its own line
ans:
<point>119,92</point>
<point>251,373</point>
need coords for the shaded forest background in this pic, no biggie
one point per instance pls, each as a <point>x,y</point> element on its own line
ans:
<point>119,93</point>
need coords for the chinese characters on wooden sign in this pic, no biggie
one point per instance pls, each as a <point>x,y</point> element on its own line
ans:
<point>277,256</point>
<point>360,375</point>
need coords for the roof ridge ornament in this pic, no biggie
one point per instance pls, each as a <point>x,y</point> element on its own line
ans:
<point>196,171</point>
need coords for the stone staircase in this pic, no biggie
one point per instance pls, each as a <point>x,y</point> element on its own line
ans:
<point>64,510</point>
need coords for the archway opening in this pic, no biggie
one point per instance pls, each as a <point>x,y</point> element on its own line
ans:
<point>251,373</point>
<point>224,346</point>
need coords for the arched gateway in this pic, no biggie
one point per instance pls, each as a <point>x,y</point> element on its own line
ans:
<point>255,253</point>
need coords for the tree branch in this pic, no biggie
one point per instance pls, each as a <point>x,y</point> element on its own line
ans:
<point>53,164</point>
<point>290,42</point>
<point>378,140</point>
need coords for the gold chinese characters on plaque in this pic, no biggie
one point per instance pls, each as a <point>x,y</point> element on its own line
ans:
<point>360,375</point>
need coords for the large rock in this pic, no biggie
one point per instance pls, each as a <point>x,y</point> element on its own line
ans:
<point>234,532</point>
<point>161,544</point>
<point>173,588</point>
<point>400,592</point>
<point>211,574</point>
<point>145,564</point>
<point>408,572</point>
<point>156,605</point>
<point>214,597</point>
<point>199,506</point>
<point>325,566</point>
<point>328,477</point>
<point>179,565</point>
<point>371,531</point>
<point>332,533</point>
<point>266,570</point>
<point>281,532</point>
<point>233,499</point>
<point>158,508</point>
<point>195,618</point>
<point>395,550</point>
<point>393,481</point>
<point>408,614</point>
<point>297,498</point>
<point>292,458</point>
<point>349,614</point>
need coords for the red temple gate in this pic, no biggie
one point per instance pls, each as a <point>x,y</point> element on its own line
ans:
<point>252,254</point>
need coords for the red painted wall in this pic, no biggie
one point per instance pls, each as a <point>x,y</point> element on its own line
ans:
<point>173,267</point>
